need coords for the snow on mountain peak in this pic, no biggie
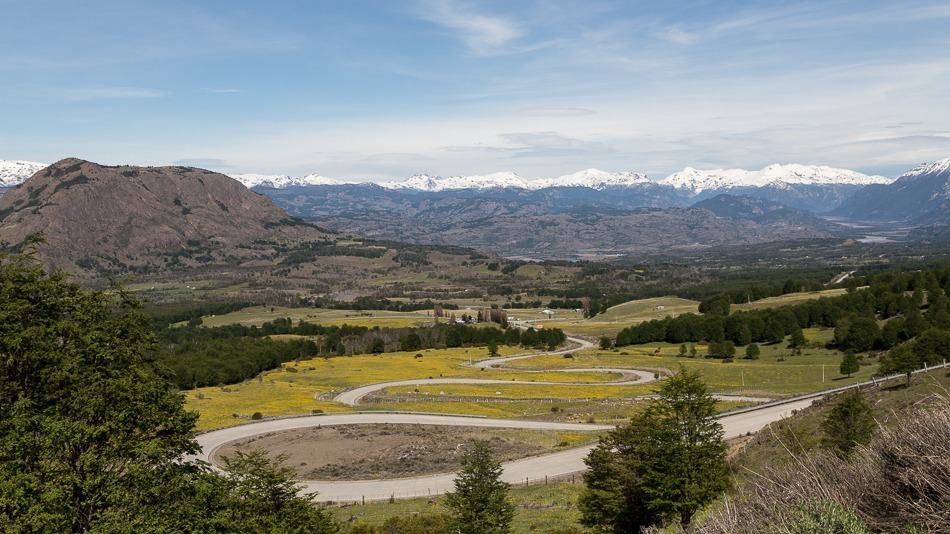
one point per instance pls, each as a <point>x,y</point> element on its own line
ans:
<point>15,172</point>
<point>595,179</point>
<point>775,175</point>
<point>936,167</point>
<point>425,182</point>
<point>592,178</point>
<point>280,181</point>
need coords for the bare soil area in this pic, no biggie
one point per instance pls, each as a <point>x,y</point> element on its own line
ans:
<point>356,452</point>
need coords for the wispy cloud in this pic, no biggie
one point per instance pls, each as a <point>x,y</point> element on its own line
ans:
<point>484,34</point>
<point>223,91</point>
<point>555,111</point>
<point>79,94</point>
<point>678,35</point>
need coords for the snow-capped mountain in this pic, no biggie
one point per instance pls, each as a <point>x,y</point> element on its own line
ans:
<point>937,167</point>
<point>590,178</point>
<point>775,175</point>
<point>280,181</point>
<point>594,179</point>
<point>429,183</point>
<point>920,195</point>
<point>13,173</point>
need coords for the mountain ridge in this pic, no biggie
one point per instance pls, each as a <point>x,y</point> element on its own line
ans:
<point>130,216</point>
<point>919,196</point>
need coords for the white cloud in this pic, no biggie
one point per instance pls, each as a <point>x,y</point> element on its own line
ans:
<point>483,34</point>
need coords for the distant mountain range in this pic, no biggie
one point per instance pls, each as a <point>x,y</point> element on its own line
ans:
<point>920,196</point>
<point>584,214</point>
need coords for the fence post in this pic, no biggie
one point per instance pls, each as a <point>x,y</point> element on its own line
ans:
<point>364,500</point>
<point>545,480</point>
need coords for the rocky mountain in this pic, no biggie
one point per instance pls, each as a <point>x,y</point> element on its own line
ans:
<point>774,175</point>
<point>761,211</point>
<point>920,196</point>
<point>588,178</point>
<point>547,223</point>
<point>814,188</point>
<point>95,217</point>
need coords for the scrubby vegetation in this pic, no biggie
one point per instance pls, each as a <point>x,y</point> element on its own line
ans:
<point>900,482</point>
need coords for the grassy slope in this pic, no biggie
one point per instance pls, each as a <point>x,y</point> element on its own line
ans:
<point>766,376</point>
<point>637,311</point>
<point>776,444</point>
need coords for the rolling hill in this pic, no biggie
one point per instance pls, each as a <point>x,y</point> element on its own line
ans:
<point>97,217</point>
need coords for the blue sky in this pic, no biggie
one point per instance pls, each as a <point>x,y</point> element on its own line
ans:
<point>384,89</point>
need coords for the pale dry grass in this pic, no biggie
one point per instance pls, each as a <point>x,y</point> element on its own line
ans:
<point>899,483</point>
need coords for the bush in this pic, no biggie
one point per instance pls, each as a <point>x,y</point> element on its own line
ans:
<point>898,483</point>
<point>257,416</point>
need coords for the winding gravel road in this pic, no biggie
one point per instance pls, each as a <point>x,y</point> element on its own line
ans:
<point>518,471</point>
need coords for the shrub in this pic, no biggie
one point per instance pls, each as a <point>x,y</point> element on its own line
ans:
<point>257,416</point>
<point>900,482</point>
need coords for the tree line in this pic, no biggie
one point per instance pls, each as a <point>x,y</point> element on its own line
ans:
<point>909,303</point>
<point>201,356</point>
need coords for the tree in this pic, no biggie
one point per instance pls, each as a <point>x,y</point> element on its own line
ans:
<point>666,464</point>
<point>492,348</point>
<point>606,343</point>
<point>849,364</point>
<point>411,342</point>
<point>849,424</point>
<point>752,351</point>
<point>861,334</point>
<point>683,349</point>
<point>900,359</point>
<point>480,504</point>
<point>718,305</point>
<point>265,497</point>
<point>797,340</point>
<point>774,331</point>
<point>727,349</point>
<point>92,431</point>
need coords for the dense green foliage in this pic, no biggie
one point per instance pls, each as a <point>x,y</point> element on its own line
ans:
<point>92,431</point>
<point>662,467</point>
<point>929,348</point>
<point>201,356</point>
<point>849,424</point>
<point>480,503</point>
<point>895,297</point>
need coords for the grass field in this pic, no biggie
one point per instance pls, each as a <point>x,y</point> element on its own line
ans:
<point>257,315</point>
<point>789,299</point>
<point>633,312</point>
<point>767,375</point>
<point>540,508</point>
<point>292,388</point>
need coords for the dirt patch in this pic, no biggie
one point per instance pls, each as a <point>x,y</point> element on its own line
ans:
<point>355,452</point>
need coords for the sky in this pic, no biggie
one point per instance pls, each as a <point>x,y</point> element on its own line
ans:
<point>378,90</point>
